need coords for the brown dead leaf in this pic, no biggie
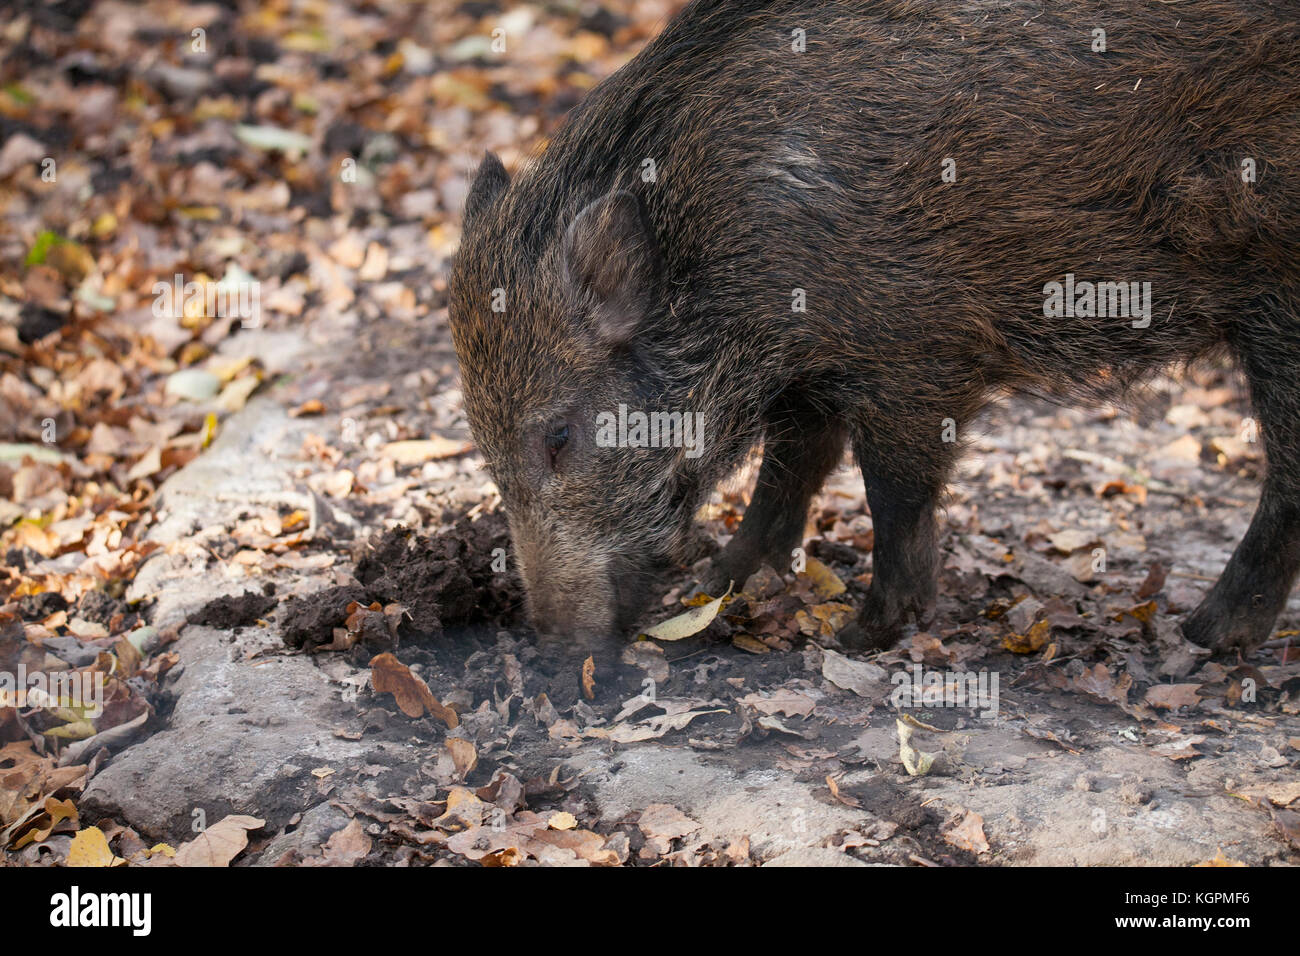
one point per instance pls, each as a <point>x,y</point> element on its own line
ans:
<point>823,620</point>
<point>219,843</point>
<point>1155,580</point>
<point>665,821</point>
<point>968,834</point>
<point>463,755</point>
<point>311,407</point>
<point>1097,682</point>
<point>1279,794</point>
<point>419,450</point>
<point>1173,696</point>
<point>784,701</point>
<point>348,845</point>
<point>388,675</point>
<point>843,798</point>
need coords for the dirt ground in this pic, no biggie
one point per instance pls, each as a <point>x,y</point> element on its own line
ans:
<point>1113,741</point>
<point>312,628</point>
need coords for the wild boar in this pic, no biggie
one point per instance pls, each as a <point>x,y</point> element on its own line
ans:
<point>810,224</point>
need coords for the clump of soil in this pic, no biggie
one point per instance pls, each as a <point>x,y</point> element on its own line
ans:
<point>309,620</point>
<point>458,578</point>
<point>446,580</point>
<point>234,610</point>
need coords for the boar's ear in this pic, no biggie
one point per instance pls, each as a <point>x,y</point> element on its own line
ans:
<point>489,182</point>
<point>610,258</point>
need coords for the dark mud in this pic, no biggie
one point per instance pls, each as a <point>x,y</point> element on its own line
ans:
<point>308,621</point>
<point>234,610</point>
<point>458,579</point>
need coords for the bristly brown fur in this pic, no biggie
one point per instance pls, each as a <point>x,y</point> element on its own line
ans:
<point>821,171</point>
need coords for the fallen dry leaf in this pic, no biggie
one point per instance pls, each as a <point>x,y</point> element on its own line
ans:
<point>388,675</point>
<point>1030,642</point>
<point>419,450</point>
<point>1173,696</point>
<point>861,677</point>
<point>1220,860</point>
<point>348,845</point>
<point>825,582</point>
<point>665,821</point>
<point>90,849</point>
<point>785,701</point>
<point>688,622</point>
<point>968,834</point>
<point>219,843</point>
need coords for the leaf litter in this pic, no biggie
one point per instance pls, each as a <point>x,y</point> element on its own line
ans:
<point>102,400</point>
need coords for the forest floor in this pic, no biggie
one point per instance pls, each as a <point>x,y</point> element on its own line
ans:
<point>269,537</point>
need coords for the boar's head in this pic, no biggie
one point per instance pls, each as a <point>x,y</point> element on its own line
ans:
<point>552,327</point>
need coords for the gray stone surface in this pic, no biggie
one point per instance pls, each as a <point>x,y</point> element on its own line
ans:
<point>243,738</point>
<point>776,812</point>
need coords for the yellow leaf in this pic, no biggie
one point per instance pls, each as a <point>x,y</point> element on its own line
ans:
<point>104,225</point>
<point>689,622</point>
<point>917,763</point>
<point>1031,642</point>
<point>226,371</point>
<point>825,583</point>
<point>79,730</point>
<point>1144,612</point>
<point>209,430</point>
<point>90,848</point>
<point>235,395</point>
<point>58,811</point>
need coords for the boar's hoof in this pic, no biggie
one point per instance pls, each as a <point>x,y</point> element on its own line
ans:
<point>883,618</point>
<point>1224,631</point>
<point>727,570</point>
<point>857,637</point>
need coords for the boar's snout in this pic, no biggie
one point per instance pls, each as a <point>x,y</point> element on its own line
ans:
<point>569,594</point>
<point>585,598</point>
<point>557,611</point>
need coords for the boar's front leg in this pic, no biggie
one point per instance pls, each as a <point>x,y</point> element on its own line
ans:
<point>800,447</point>
<point>903,483</point>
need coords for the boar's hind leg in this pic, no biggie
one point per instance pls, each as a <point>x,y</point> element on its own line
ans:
<point>903,487</point>
<point>800,447</point>
<point>1241,608</point>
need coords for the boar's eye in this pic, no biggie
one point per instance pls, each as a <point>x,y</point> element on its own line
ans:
<point>556,438</point>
